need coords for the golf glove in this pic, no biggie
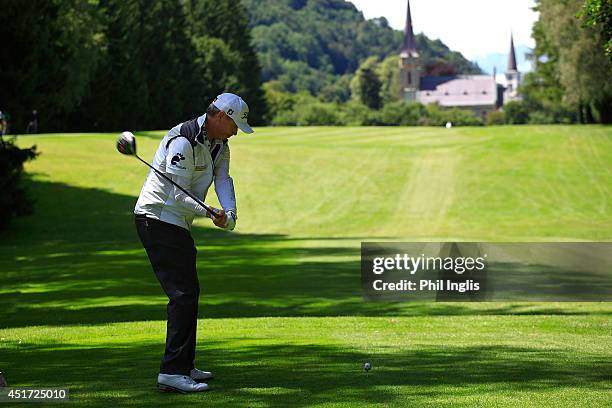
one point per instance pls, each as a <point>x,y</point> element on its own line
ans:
<point>230,219</point>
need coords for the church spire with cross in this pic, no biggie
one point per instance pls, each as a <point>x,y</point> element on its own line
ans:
<point>409,62</point>
<point>513,76</point>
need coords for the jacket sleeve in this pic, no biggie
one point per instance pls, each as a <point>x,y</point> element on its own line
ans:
<point>224,185</point>
<point>183,199</point>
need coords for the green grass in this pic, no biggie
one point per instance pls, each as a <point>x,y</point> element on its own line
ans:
<point>420,361</point>
<point>283,322</point>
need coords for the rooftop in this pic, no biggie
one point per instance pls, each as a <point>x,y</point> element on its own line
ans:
<point>459,90</point>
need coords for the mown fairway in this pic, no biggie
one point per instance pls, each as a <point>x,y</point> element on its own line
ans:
<point>283,322</point>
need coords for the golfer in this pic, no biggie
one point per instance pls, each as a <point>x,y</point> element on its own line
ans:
<point>193,154</point>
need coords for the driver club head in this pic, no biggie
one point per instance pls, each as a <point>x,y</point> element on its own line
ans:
<point>126,143</point>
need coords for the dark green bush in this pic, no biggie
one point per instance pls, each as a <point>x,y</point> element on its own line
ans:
<point>516,113</point>
<point>496,118</point>
<point>540,118</point>
<point>402,113</point>
<point>13,198</point>
<point>320,114</point>
<point>438,116</point>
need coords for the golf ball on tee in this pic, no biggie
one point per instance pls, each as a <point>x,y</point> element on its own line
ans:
<point>367,366</point>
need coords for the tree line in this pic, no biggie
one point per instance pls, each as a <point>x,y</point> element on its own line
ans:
<point>136,64</point>
<point>572,80</point>
<point>124,64</point>
<point>98,65</point>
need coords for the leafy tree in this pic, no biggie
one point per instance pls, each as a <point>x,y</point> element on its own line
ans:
<point>214,60</point>
<point>336,89</point>
<point>584,70</point>
<point>223,25</point>
<point>143,79</point>
<point>541,88</point>
<point>118,96</point>
<point>365,85</point>
<point>598,14</point>
<point>369,88</point>
<point>571,70</point>
<point>389,75</point>
<point>516,113</point>
<point>276,99</point>
<point>48,57</point>
<point>168,62</point>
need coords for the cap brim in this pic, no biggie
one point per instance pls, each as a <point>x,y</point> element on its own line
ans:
<point>244,127</point>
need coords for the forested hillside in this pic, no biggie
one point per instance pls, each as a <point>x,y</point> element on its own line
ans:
<point>315,45</point>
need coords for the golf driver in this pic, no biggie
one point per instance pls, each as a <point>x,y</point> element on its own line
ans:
<point>126,144</point>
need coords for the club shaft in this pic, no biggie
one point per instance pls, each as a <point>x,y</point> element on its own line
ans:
<point>179,187</point>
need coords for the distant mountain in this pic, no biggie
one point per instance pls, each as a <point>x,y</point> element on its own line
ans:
<point>316,45</point>
<point>500,61</point>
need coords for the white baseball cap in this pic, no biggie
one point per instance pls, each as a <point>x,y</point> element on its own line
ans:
<point>235,108</point>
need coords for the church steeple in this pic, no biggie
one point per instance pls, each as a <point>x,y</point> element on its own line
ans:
<point>512,56</point>
<point>513,77</point>
<point>409,62</point>
<point>409,43</point>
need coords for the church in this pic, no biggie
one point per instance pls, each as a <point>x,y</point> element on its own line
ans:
<point>478,93</point>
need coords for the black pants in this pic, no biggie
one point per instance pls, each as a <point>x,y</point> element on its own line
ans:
<point>173,256</point>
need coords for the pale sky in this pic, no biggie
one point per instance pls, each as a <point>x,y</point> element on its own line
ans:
<point>472,27</point>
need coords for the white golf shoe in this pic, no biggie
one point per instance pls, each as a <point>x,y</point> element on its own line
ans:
<point>199,375</point>
<point>179,383</point>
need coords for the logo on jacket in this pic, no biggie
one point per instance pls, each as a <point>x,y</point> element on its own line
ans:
<point>176,159</point>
